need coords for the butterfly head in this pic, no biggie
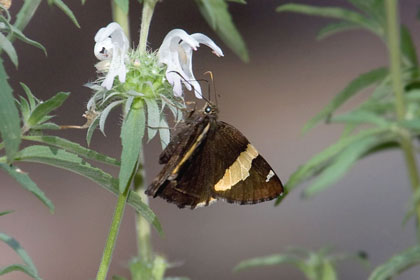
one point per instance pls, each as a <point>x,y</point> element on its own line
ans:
<point>210,109</point>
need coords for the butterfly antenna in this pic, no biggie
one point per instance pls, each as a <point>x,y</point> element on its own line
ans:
<point>188,82</point>
<point>214,86</point>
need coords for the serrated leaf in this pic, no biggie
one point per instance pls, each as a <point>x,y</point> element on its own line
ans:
<point>397,264</point>
<point>105,113</point>
<point>65,160</point>
<point>342,163</point>
<point>360,117</point>
<point>29,267</point>
<point>7,46</point>
<point>331,12</point>
<point>6,212</point>
<point>132,133</point>
<point>9,116</point>
<point>73,148</point>
<point>63,7</point>
<point>361,82</point>
<point>25,181</point>
<point>217,15</point>
<point>267,261</point>
<point>153,118</point>
<point>123,5</point>
<point>44,108</point>
<point>336,27</point>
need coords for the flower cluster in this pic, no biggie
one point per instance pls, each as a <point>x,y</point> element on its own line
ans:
<point>150,80</point>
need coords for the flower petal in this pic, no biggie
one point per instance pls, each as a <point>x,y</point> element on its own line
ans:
<point>203,39</point>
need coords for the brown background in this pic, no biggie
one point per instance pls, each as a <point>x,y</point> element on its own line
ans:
<point>291,76</point>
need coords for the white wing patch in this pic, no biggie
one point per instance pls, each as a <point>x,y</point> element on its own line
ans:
<point>269,175</point>
<point>238,171</point>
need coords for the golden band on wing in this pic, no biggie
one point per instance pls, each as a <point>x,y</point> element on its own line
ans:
<point>238,171</point>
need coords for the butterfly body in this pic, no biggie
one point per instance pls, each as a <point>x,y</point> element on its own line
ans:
<point>210,160</point>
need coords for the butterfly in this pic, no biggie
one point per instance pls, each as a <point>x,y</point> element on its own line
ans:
<point>210,160</point>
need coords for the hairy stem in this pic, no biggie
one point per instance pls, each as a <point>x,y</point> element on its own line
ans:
<point>393,35</point>
<point>144,245</point>
<point>146,18</point>
<point>112,236</point>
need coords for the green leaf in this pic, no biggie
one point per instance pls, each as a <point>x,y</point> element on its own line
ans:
<point>18,267</point>
<point>25,181</point>
<point>360,117</point>
<point>397,264</point>
<point>153,118</point>
<point>319,161</point>
<point>30,268</point>
<point>132,133</point>
<point>164,133</point>
<point>31,98</point>
<point>47,125</point>
<point>91,129</point>
<point>44,108</point>
<point>62,6</point>
<point>116,277</point>
<point>331,12</point>
<point>123,4</point>
<point>336,27</point>
<point>267,261</point>
<point>238,1</point>
<point>105,113</point>
<point>6,212</point>
<point>217,15</point>
<point>408,48</point>
<point>73,148</point>
<point>411,124</point>
<point>7,46</point>
<point>63,159</point>
<point>354,87</point>
<point>342,163</point>
<point>9,116</point>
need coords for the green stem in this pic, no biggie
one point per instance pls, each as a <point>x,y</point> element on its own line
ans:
<point>121,17</point>
<point>112,236</point>
<point>393,28</point>
<point>146,18</point>
<point>143,229</point>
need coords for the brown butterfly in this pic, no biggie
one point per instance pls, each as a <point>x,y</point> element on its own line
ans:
<point>210,160</point>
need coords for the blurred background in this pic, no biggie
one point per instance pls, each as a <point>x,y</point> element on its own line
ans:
<point>289,78</point>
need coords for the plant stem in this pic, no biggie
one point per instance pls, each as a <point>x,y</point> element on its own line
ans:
<point>146,18</point>
<point>112,236</point>
<point>121,17</point>
<point>395,68</point>
<point>144,245</point>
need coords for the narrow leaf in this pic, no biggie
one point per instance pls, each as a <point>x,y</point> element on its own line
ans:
<point>331,12</point>
<point>360,117</point>
<point>12,243</point>
<point>153,118</point>
<point>7,46</point>
<point>267,261</point>
<point>19,35</point>
<point>19,267</point>
<point>164,133</point>
<point>44,108</point>
<point>217,15</point>
<point>25,181</point>
<point>397,264</point>
<point>342,164</point>
<point>407,47</point>
<point>91,129</point>
<point>6,212</point>
<point>105,113</point>
<point>62,6</point>
<point>336,27</point>
<point>132,132</point>
<point>354,87</point>
<point>73,148</point>
<point>63,159</point>
<point>31,98</point>
<point>9,116</point>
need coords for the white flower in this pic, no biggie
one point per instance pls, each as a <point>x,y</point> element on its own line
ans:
<point>111,48</point>
<point>176,53</point>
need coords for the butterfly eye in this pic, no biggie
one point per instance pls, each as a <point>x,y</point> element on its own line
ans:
<point>208,109</point>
